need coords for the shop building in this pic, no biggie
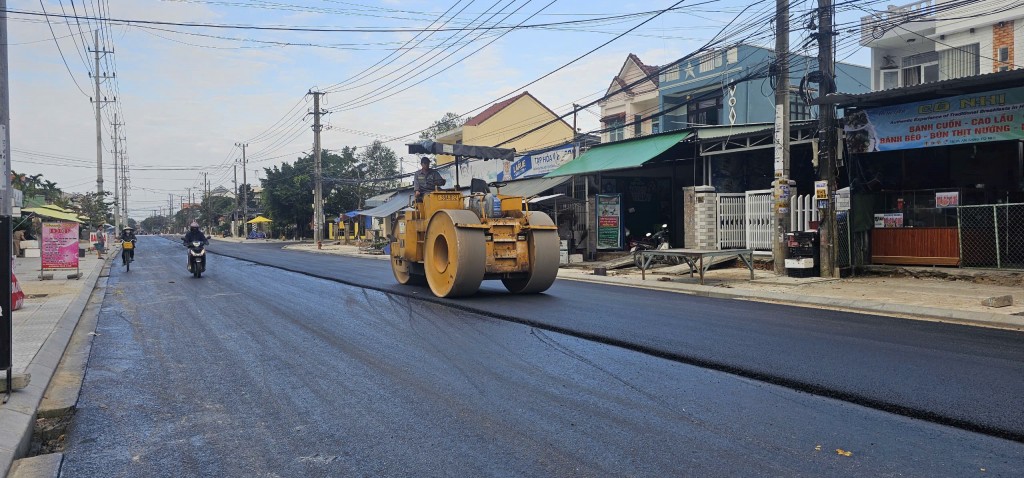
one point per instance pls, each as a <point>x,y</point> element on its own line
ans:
<point>936,172</point>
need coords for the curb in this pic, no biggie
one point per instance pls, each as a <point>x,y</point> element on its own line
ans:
<point>17,416</point>
<point>985,319</point>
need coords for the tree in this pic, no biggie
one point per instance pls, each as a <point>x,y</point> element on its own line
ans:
<point>447,123</point>
<point>36,186</point>
<point>381,167</point>
<point>93,206</point>
<point>288,194</point>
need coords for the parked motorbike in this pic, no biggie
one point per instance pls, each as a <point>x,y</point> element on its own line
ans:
<point>196,258</point>
<point>657,240</point>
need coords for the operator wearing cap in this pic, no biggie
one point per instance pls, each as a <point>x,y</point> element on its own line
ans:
<point>426,179</point>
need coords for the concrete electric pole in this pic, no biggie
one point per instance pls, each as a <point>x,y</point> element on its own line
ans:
<point>117,196</point>
<point>318,199</point>
<point>828,141</point>
<point>245,192</point>
<point>97,76</point>
<point>782,184</point>
<point>234,213</point>
<point>6,238</point>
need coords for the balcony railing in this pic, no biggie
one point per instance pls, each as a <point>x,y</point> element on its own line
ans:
<point>875,26</point>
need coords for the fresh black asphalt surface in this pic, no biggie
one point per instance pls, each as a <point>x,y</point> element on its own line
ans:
<point>969,377</point>
<point>255,371</point>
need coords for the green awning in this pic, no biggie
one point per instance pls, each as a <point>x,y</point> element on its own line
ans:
<point>619,155</point>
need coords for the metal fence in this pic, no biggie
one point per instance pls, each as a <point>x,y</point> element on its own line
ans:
<point>991,236</point>
<point>843,240</point>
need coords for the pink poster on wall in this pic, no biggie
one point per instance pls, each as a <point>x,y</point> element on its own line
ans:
<point>59,245</point>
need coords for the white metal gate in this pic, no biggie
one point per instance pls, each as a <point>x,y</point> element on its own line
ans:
<point>732,221</point>
<point>759,220</point>
<point>745,220</point>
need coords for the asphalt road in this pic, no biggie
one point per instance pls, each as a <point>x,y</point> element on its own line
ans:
<point>255,371</point>
<point>969,377</point>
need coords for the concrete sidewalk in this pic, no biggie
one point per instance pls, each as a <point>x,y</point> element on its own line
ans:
<point>42,329</point>
<point>953,295</point>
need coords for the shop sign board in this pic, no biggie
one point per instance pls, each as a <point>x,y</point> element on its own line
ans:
<point>977,118</point>
<point>609,221</point>
<point>59,246</point>
<point>527,166</point>
<point>889,220</point>
<point>947,199</point>
<point>537,164</point>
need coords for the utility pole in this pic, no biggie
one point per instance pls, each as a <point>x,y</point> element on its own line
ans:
<point>206,202</point>
<point>318,199</point>
<point>828,141</point>
<point>245,192</point>
<point>6,237</point>
<point>124,182</point>
<point>97,76</point>
<point>117,197</point>
<point>782,184</point>
<point>234,213</point>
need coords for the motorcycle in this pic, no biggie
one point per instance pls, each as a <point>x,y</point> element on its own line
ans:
<point>657,240</point>
<point>127,256</point>
<point>196,258</point>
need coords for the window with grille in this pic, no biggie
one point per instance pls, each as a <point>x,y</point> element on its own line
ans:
<point>618,132</point>
<point>709,61</point>
<point>1004,57</point>
<point>670,74</point>
<point>890,79</point>
<point>960,62</point>
<point>798,107</point>
<point>637,126</point>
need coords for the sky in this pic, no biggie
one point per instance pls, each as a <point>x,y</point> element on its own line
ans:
<point>186,95</point>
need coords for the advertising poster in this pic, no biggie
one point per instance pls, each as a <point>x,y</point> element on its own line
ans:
<point>59,246</point>
<point>949,199</point>
<point>609,221</point>
<point>977,118</point>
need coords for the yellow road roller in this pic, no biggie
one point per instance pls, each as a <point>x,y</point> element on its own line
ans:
<point>453,240</point>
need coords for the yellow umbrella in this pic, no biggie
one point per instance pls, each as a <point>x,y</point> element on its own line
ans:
<point>258,220</point>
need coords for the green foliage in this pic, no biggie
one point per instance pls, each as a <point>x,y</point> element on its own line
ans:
<point>447,123</point>
<point>35,186</point>
<point>94,206</point>
<point>349,177</point>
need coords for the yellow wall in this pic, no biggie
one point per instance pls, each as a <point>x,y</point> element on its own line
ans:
<point>522,115</point>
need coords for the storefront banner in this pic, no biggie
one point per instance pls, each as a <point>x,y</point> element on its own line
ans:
<point>609,221</point>
<point>889,220</point>
<point>990,116</point>
<point>538,164</point>
<point>59,246</point>
<point>527,166</point>
<point>948,199</point>
<point>472,168</point>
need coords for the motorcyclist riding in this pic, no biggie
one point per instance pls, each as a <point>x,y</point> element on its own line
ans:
<point>195,234</point>
<point>128,235</point>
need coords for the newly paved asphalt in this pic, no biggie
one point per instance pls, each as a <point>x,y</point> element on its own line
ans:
<point>968,377</point>
<point>255,371</point>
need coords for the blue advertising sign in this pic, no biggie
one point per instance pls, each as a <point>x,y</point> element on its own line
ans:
<point>982,117</point>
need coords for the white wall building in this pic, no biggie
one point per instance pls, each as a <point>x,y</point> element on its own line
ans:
<point>631,104</point>
<point>934,40</point>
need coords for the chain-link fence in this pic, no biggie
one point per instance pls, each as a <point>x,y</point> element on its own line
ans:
<point>844,247</point>
<point>992,236</point>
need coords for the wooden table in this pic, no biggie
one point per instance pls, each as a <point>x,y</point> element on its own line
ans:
<point>695,259</point>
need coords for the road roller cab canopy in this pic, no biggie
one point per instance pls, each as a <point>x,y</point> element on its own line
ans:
<point>462,150</point>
